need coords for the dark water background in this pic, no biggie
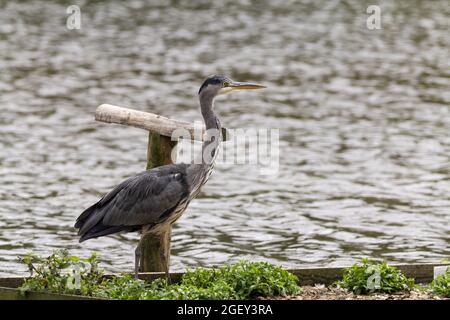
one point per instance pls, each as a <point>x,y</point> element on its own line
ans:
<point>364,121</point>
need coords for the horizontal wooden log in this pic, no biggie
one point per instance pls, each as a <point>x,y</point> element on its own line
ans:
<point>149,121</point>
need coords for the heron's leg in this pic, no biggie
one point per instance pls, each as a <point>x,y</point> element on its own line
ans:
<point>137,259</point>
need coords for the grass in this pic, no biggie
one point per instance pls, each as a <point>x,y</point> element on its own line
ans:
<point>372,276</point>
<point>243,280</point>
<point>441,285</point>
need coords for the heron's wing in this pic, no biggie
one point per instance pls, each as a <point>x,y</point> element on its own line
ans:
<point>146,199</point>
<point>139,200</point>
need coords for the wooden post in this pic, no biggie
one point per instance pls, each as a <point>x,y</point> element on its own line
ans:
<point>152,246</point>
<point>159,150</point>
<point>159,153</point>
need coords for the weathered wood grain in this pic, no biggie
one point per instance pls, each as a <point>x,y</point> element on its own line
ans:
<point>149,121</point>
<point>155,250</point>
<point>159,150</point>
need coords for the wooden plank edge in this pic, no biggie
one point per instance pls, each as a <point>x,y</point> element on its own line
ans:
<point>15,294</point>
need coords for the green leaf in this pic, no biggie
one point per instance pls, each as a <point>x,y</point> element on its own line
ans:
<point>363,278</point>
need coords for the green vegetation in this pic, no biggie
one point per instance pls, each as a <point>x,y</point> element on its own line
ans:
<point>246,279</point>
<point>128,288</point>
<point>441,285</point>
<point>58,273</point>
<point>68,274</point>
<point>373,276</point>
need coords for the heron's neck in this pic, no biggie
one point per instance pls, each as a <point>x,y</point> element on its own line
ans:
<point>200,170</point>
<point>209,117</point>
<point>213,135</point>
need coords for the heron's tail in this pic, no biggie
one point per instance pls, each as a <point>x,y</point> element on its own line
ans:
<point>88,222</point>
<point>84,216</point>
<point>100,230</point>
<point>91,226</point>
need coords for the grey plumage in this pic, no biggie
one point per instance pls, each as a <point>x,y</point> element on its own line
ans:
<point>145,199</point>
<point>154,198</point>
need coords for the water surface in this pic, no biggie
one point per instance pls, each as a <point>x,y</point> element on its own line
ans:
<point>364,122</point>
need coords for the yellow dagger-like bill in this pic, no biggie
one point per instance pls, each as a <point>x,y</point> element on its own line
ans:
<point>245,86</point>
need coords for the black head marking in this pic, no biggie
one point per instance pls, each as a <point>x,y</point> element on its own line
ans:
<point>215,80</point>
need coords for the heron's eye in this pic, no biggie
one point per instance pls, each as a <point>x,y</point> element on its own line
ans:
<point>226,84</point>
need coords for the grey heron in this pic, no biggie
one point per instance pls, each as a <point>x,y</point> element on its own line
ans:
<point>153,199</point>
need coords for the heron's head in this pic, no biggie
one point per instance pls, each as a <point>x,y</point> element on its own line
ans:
<point>217,85</point>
